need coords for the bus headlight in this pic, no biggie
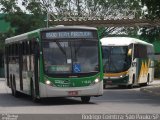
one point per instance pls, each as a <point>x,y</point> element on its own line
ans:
<point>47,82</point>
<point>121,76</point>
<point>124,75</point>
<point>97,80</point>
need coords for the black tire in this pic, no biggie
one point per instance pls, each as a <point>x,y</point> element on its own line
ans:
<point>85,99</point>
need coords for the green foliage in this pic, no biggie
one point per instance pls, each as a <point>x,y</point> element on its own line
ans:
<point>9,6</point>
<point>3,36</point>
<point>20,20</point>
<point>101,32</point>
<point>61,3</point>
<point>153,8</point>
<point>150,34</point>
<point>157,69</point>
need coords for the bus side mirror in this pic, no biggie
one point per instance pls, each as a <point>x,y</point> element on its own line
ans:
<point>129,52</point>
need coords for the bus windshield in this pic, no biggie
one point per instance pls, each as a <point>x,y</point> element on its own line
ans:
<point>70,57</point>
<point>116,59</point>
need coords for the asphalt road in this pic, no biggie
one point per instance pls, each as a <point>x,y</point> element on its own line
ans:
<point>114,101</point>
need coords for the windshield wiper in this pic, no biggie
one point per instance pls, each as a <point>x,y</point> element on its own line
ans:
<point>61,48</point>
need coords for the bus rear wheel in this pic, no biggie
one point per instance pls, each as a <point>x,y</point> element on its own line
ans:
<point>85,99</point>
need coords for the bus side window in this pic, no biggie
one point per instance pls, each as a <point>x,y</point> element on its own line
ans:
<point>23,48</point>
<point>29,47</point>
<point>37,49</point>
<point>150,52</point>
<point>32,46</point>
<point>17,50</point>
<point>20,49</point>
<point>140,51</point>
<point>10,52</point>
<point>13,48</point>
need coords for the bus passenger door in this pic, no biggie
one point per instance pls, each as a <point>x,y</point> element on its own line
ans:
<point>140,53</point>
<point>20,66</point>
<point>133,71</point>
<point>36,67</point>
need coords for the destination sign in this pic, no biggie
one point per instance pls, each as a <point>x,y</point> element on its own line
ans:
<point>68,34</point>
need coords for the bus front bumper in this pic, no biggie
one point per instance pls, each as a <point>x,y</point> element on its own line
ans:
<point>116,81</point>
<point>50,91</point>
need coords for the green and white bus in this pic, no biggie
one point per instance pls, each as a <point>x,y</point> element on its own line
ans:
<point>62,61</point>
<point>127,61</point>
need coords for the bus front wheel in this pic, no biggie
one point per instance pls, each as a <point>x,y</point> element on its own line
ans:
<point>85,99</point>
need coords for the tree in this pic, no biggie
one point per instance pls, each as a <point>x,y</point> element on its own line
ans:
<point>108,9</point>
<point>37,9</point>
<point>153,8</point>
<point>20,20</point>
<point>153,12</point>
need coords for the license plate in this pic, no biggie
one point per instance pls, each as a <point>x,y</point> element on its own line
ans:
<point>109,82</point>
<point>72,93</point>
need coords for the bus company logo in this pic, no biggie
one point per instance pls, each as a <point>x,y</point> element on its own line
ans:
<point>144,68</point>
<point>62,81</point>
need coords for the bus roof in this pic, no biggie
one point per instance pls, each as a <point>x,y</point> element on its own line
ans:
<point>59,27</point>
<point>121,41</point>
<point>25,36</point>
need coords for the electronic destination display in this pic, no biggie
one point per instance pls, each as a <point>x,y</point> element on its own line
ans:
<point>68,34</point>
